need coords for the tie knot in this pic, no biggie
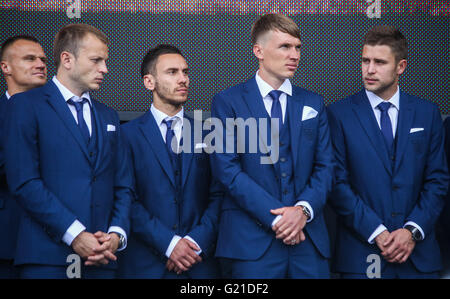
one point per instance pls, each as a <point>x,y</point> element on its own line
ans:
<point>384,106</point>
<point>77,102</point>
<point>169,123</point>
<point>275,94</point>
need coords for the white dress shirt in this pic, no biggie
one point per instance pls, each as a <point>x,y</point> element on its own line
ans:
<point>177,127</point>
<point>77,227</point>
<point>286,88</point>
<point>7,95</point>
<point>393,115</point>
<point>67,95</point>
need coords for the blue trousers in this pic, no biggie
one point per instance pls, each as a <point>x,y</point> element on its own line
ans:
<point>396,271</point>
<point>7,270</point>
<point>280,261</point>
<point>59,272</point>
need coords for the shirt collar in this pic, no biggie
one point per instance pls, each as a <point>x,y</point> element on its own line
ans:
<point>67,94</point>
<point>376,100</point>
<point>160,116</point>
<point>7,95</point>
<point>265,88</point>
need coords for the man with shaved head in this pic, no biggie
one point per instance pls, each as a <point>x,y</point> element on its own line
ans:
<point>24,66</point>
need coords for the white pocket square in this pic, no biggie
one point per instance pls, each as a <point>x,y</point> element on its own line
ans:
<point>110,128</point>
<point>200,145</point>
<point>308,113</point>
<point>414,130</point>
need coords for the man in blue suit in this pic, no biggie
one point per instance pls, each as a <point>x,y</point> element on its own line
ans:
<point>24,66</point>
<point>174,219</point>
<point>65,165</point>
<point>443,229</point>
<point>271,221</point>
<point>391,171</point>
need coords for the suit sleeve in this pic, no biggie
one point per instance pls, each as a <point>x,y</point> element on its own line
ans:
<point>205,232</point>
<point>23,174</point>
<point>344,200</point>
<point>226,168</point>
<point>445,215</point>
<point>123,190</point>
<point>435,179</point>
<point>321,179</point>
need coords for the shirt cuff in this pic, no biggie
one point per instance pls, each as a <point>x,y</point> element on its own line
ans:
<point>72,232</point>
<point>120,231</point>
<point>307,205</point>
<point>416,226</point>
<point>276,220</point>
<point>192,240</point>
<point>172,245</point>
<point>381,228</point>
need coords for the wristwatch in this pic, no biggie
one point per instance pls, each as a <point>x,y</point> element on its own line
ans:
<point>415,232</point>
<point>121,240</point>
<point>306,212</point>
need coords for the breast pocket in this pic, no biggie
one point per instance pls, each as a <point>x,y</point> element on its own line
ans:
<point>418,141</point>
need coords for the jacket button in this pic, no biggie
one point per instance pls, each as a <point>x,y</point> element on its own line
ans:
<point>174,227</point>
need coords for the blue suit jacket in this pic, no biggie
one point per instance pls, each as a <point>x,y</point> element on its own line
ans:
<point>444,220</point>
<point>49,172</point>
<point>372,189</point>
<point>161,211</point>
<point>9,210</point>
<point>245,230</point>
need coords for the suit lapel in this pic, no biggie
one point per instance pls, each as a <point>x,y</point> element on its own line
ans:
<point>255,104</point>
<point>366,117</point>
<point>152,134</point>
<point>405,118</point>
<point>186,158</point>
<point>56,100</point>
<point>294,110</point>
<point>99,127</point>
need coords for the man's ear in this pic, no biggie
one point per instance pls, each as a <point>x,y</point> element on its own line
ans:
<point>258,51</point>
<point>5,68</point>
<point>149,82</point>
<point>67,60</point>
<point>401,66</point>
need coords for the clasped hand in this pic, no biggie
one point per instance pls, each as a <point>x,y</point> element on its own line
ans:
<point>290,227</point>
<point>96,249</point>
<point>183,256</point>
<point>396,247</point>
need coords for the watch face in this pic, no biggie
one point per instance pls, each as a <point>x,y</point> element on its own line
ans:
<point>416,235</point>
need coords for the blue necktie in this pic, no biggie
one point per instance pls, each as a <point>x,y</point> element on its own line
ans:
<point>276,106</point>
<point>81,122</point>
<point>170,135</point>
<point>386,125</point>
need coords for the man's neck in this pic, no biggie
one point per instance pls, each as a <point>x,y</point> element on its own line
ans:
<point>168,109</point>
<point>273,81</point>
<point>65,80</point>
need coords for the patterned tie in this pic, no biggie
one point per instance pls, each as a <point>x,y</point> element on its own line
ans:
<point>386,125</point>
<point>81,122</point>
<point>276,106</point>
<point>170,136</point>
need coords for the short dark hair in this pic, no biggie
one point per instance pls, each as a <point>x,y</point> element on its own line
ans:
<point>69,37</point>
<point>274,22</point>
<point>388,36</point>
<point>150,59</point>
<point>11,40</point>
